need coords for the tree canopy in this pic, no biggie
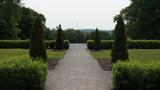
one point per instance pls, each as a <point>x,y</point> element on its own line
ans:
<point>143,19</point>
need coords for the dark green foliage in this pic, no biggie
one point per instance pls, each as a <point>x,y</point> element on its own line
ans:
<point>9,15</point>
<point>50,34</point>
<point>81,36</point>
<point>22,75</point>
<point>66,44</point>
<point>52,44</point>
<point>106,44</point>
<point>143,19</point>
<point>24,44</point>
<point>97,40</point>
<point>144,44</point>
<point>132,44</point>
<point>136,76</point>
<point>38,49</point>
<point>74,36</point>
<point>60,38</point>
<point>90,44</point>
<point>26,22</point>
<point>119,49</point>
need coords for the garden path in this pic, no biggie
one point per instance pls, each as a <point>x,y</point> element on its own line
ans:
<point>78,71</point>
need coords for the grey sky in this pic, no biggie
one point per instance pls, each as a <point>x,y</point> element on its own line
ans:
<point>81,14</point>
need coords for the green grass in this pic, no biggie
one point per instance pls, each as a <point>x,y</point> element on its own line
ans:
<point>102,54</point>
<point>55,54</point>
<point>24,53</point>
<point>143,55</point>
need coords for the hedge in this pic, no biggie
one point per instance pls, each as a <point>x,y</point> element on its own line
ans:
<point>53,43</point>
<point>66,44</point>
<point>132,44</point>
<point>14,44</point>
<point>25,44</point>
<point>22,75</point>
<point>136,76</point>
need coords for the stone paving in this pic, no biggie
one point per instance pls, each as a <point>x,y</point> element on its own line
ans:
<point>78,71</point>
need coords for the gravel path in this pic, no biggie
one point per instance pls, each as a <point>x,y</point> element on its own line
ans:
<point>78,71</point>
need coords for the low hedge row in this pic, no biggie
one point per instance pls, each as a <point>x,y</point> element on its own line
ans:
<point>136,76</point>
<point>22,75</point>
<point>53,43</point>
<point>14,44</point>
<point>25,44</point>
<point>132,44</point>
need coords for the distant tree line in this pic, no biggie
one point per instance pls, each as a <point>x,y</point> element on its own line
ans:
<point>76,36</point>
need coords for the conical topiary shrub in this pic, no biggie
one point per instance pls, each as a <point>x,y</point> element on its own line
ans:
<point>119,50</point>
<point>37,48</point>
<point>97,40</point>
<point>60,38</point>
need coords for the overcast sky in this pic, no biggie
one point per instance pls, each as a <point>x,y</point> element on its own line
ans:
<point>78,14</point>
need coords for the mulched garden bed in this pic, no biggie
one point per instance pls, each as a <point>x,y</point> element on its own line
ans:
<point>106,64</point>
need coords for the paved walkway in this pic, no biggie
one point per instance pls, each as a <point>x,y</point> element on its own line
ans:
<point>78,71</point>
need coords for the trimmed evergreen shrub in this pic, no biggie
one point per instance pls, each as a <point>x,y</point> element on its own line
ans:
<point>22,75</point>
<point>97,40</point>
<point>119,49</point>
<point>60,38</point>
<point>136,76</point>
<point>38,49</point>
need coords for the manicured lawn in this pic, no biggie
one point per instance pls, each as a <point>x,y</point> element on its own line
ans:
<point>102,54</point>
<point>143,55</point>
<point>23,53</point>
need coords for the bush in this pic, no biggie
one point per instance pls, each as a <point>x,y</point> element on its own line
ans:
<point>106,44</point>
<point>60,38</point>
<point>97,40</point>
<point>47,44</point>
<point>90,44</point>
<point>22,75</point>
<point>24,44</point>
<point>132,44</point>
<point>38,47</point>
<point>52,44</point>
<point>136,76</point>
<point>119,49</point>
<point>66,44</point>
<point>144,44</point>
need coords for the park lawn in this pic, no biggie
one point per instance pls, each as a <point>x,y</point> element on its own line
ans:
<point>143,55</point>
<point>6,54</point>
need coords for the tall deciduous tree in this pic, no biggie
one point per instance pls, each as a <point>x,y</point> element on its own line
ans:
<point>97,40</point>
<point>9,15</point>
<point>26,22</point>
<point>119,50</point>
<point>143,19</point>
<point>60,38</point>
<point>38,49</point>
